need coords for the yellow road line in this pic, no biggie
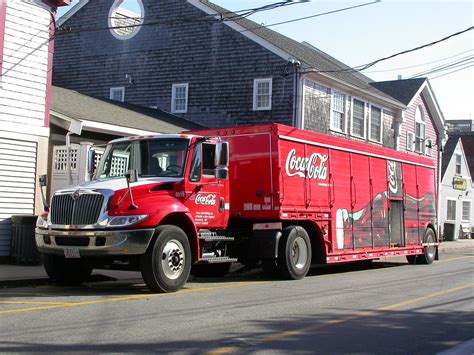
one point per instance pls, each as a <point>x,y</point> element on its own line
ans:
<point>312,328</point>
<point>132,298</point>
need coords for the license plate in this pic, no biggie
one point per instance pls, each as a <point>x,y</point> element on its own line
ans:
<point>72,253</point>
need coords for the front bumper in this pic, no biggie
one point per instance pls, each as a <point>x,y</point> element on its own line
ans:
<point>94,243</point>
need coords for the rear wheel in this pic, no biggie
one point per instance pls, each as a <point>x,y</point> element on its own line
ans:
<point>294,253</point>
<point>67,272</point>
<point>429,250</point>
<point>166,264</point>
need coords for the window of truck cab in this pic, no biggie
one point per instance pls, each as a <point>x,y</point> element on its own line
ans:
<point>202,164</point>
<point>151,158</point>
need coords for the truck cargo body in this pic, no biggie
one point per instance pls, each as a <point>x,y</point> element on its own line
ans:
<point>366,201</point>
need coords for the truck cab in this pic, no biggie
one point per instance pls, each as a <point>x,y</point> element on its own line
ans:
<point>153,204</point>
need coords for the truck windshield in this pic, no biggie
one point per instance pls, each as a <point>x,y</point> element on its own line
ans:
<point>161,157</point>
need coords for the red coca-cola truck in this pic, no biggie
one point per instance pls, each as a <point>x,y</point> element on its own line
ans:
<point>269,194</point>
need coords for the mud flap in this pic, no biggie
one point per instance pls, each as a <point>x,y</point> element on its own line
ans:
<point>437,254</point>
<point>264,244</point>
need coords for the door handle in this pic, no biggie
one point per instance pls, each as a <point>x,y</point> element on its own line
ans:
<point>221,205</point>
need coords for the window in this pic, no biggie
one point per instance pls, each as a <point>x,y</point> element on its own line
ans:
<point>466,211</point>
<point>338,117</point>
<point>117,94</point>
<point>420,130</point>
<point>262,94</point>
<point>458,164</point>
<point>126,18</point>
<point>208,153</point>
<point>358,118</point>
<point>451,210</point>
<point>195,174</point>
<point>376,124</point>
<point>410,141</point>
<point>179,98</point>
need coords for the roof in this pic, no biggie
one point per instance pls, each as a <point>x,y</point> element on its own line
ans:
<point>82,107</point>
<point>448,151</point>
<point>314,58</point>
<point>402,90</point>
<point>467,140</point>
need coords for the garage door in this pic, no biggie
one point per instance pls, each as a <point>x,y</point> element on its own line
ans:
<point>17,185</point>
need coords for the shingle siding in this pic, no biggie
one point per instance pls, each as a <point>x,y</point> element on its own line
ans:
<point>218,63</point>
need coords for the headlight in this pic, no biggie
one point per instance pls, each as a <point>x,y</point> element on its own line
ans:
<point>42,222</point>
<point>124,221</point>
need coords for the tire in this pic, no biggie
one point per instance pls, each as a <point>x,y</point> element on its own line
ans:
<point>294,253</point>
<point>66,272</point>
<point>429,252</point>
<point>166,265</point>
<point>210,270</point>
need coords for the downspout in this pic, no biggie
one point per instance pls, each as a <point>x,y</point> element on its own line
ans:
<point>296,123</point>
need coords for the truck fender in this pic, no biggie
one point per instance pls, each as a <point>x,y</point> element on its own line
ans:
<point>184,221</point>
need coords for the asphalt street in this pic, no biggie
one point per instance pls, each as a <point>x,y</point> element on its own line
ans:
<point>387,307</point>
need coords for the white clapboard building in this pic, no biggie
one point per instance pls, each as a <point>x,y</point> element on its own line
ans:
<point>26,49</point>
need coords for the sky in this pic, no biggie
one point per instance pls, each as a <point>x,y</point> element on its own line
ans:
<point>381,28</point>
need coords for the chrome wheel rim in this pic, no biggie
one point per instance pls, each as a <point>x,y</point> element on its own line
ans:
<point>172,259</point>
<point>430,246</point>
<point>299,253</point>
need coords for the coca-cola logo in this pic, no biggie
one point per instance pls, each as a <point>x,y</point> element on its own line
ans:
<point>207,200</point>
<point>392,177</point>
<point>313,167</point>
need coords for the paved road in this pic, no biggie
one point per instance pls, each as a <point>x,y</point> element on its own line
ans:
<point>389,307</point>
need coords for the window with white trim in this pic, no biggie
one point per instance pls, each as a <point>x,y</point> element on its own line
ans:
<point>338,116</point>
<point>420,127</point>
<point>358,118</point>
<point>179,98</point>
<point>262,94</point>
<point>410,141</point>
<point>117,94</point>
<point>376,125</point>
<point>451,210</point>
<point>458,164</point>
<point>466,210</point>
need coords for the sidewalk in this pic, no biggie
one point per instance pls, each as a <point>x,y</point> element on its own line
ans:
<point>20,275</point>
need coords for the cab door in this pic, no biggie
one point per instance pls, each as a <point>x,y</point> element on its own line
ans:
<point>207,197</point>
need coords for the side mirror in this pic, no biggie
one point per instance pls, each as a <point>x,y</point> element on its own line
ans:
<point>221,154</point>
<point>43,180</point>
<point>132,176</point>
<point>91,162</point>
<point>222,172</point>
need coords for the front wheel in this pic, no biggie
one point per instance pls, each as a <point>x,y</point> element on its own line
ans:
<point>166,265</point>
<point>294,253</point>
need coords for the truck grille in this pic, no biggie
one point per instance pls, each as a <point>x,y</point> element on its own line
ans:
<point>84,210</point>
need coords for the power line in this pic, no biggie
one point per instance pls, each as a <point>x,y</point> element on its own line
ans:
<point>205,18</point>
<point>311,16</point>
<point>452,72</point>
<point>419,65</point>
<point>362,67</point>
<point>444,67</point>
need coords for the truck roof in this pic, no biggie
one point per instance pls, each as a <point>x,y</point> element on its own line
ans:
<point>153,136</point>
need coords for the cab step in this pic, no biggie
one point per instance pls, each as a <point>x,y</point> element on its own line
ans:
<point>209,236</point>
<point>217,260</point>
